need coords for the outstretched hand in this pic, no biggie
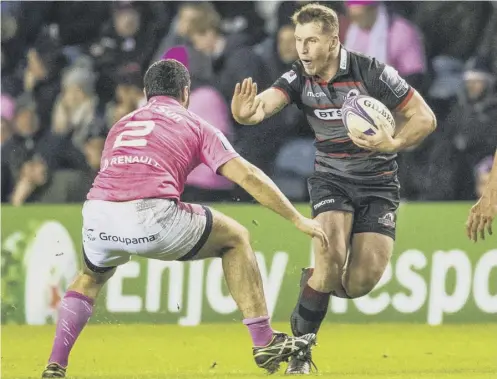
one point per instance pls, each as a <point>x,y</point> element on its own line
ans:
<point>245,102</point>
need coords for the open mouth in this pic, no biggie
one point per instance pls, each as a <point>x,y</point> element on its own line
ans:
<point>306,61</point>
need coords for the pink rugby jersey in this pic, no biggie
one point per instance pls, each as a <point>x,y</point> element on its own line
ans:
<point>150,152</point>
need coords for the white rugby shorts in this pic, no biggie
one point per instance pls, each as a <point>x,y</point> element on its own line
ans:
<point>152,228</point>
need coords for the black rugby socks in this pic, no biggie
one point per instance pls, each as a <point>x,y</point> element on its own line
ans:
<point>310,310</point>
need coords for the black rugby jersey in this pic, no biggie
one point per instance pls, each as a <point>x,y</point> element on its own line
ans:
<point>322,101</point>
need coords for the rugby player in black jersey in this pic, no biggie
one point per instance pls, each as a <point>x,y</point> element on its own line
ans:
<point>354,190</point>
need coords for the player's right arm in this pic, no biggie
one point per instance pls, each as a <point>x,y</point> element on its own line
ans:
<point>265,191</point>
<point>250,108</point>
<point>218,154</point>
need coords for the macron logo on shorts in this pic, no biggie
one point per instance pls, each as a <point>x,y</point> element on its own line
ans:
<point>126,240</point>
<point>324,202</point>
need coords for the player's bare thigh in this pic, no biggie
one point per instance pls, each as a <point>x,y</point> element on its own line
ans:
<point>329,264</point>
<point>226,233</point>
<point>367,261</point>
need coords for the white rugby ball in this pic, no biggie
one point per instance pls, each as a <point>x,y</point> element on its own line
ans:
<point>359,115</point>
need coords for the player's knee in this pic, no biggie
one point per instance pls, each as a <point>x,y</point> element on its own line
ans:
<point>89,283</point>
<point>239,238</point>
<point>242,236</point>
<point>355,287</point>
<point>335,252</point>
<point>327,276</point>
<point>90,278</point>
<point>359,283</point>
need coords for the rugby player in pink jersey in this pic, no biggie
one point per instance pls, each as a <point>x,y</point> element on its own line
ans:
<point>134,209</point>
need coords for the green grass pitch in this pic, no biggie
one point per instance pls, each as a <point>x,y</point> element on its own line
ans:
<point>222,351</point>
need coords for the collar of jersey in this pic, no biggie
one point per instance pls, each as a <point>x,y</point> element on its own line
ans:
<point>343,68</point>
<point>164,100</point>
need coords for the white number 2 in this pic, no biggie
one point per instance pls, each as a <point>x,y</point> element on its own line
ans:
<point>146,128</point>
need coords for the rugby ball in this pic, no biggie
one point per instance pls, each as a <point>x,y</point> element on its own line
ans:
<point>360,114</point>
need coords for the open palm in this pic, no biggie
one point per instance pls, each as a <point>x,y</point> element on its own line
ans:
<point>245,103</point>
<point>481,216</point>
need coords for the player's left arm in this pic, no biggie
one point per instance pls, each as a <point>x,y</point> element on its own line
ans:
<point>415,123</point>
<point>414,118</point>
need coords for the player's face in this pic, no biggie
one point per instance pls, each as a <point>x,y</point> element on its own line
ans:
<point>314,47</point>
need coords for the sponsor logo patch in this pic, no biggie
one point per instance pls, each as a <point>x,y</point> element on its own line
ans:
<point>381,110</point>
<point>126,240</point>
<point>388,220</point>
<point>289,76</point>
<point>319,94</point>
<point>89,234</point>
<point>392,79</point>
<point>328,114</point>
<point>129,159</point>
<point>324,202</point>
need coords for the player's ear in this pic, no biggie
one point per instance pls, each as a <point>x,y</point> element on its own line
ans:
<point>186,96</point>
<point>334,42</point>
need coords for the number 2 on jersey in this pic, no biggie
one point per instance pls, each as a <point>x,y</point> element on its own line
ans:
<point>145,128</point>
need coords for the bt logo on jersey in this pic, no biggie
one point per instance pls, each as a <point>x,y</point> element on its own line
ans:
<point>328,114</point>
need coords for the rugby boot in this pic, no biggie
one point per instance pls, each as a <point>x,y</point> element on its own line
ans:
<point>303,364</point>
<point>300,366</point>
<point>281,348</point>
<point>53,370</point>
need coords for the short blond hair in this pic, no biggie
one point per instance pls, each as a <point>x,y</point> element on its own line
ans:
<point>317,13</point>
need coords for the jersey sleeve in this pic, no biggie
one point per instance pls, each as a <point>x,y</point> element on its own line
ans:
<point>289,84</point>
<point>385,84</point>
<point>216,150</point>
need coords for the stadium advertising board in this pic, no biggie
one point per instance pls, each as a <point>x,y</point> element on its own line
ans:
<point>435,276</point>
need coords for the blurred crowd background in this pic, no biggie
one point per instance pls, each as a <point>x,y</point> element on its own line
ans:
<point>71,69</point>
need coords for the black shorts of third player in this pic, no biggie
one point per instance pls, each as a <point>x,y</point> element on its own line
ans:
<point>374,204</point>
